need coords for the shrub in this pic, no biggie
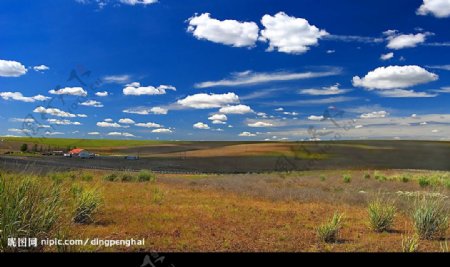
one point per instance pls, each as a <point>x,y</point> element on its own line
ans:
<point>127,177</point>
<point>380,177</point>
<point>367,175</point>
<point>430,217</point>
<point>87,177</point>
<point>323,178</point>
<point>424,181</point>
<point>146,176</point>
<point>381,214</point>
<point>112,177</point>
<point>28,208</point>
<point>329,231</point>
<point>410,243</point>
<point>405,178</point>
<point>347,178</point>
<point>87,202</point>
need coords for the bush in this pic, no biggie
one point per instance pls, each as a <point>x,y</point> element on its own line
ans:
<point>381,214</point>
<point>329,231</point>
<point>87,177</point>
<point>28,208</point>
<point>430,217</point>
<point>347,178</point>
<point>146,176</point>
<point>87,203</point>
<point>405,178</point>
<point>323,178</point>
<point>157,196</point>
<point>127,177</point>
<point>424,181</point>
<point>112,177</point>
<point>380,177</point>
<point>367,175</point>
<point>410,243</point>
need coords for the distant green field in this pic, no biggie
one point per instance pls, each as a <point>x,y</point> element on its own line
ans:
<point>86,143</point>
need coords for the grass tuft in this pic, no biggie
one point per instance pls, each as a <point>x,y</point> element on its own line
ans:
<point>329,231</point>
<point>430,217</point>
<point>410,243</point>
<point>146,176</point>
<point>87,203</point>
<point>381,214</point>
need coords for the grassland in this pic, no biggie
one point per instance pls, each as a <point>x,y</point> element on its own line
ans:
<point>252,212</point>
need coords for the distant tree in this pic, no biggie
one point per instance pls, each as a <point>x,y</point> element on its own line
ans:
<point>24,147</point>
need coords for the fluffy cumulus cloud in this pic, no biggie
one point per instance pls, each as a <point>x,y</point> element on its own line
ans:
<point>236,109</point>
<point>102,94</point>
<point>206,101</point>
<point>398,41</point>
<point>106,124</point>
<point>127,121</point>
<point>135,88</point>
<point>138,2</point>
<point>437,8</point>
<point>162,130</point>
<point>201,125</point>
<point>374,114</point>
<point>148,125</point>
<point>54,112</point>
<point>121,134</point>
<point>18,96</point>
<point>316,118</point>
<point>289,34</point>
<point>247,134</point>
<point>249,78</point>
<point>9,68</point>
<point>394,77</point>
<point>63,122</point>
<point>228,32</point>
<point>218,118</point>
<point>93,133</point>
<point>76,91</point>
<point>41,68</point>
<point>92,103</point>
<point>260,124</point>
<point>146,110</point>
<point>330,90</point>
<point>387,56</point>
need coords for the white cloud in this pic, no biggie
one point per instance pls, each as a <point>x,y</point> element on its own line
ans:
<point>445,90</point>
<point>53,133</point>
<point>330,90</point>
<point>227,32</point>
<point>331,51</point>
<point>398,41</point>
<point>375,114</point>
<point>248,78</point>
<point>28,120</point>
<point>218,117</point>
<point>205,101</point>
<point>120,79</point>
<point>121,134</point>
<point>237,109</point>
<point>315,118</point>
<point>19,130</point>
<point>108,120</point>
<point>41,68</point>
<point>247,134</point>
<point>438,8</point>
<point>279,109</point>
<point>138,2</point>
<point>19,97</point>
<point>82,115</point>
<point>63,122</point>
<point>259,124</point>
<point>402,93</point>
<point>92,103</point>
<point>102,94</point>
<point>93,133</point>
<point>9,68</point>
<point>146,110</point>
<point>135,88</point>
<point>77,91</point>
<point>148,125</point>
<point>54,112</point>
<point>201,125</point>
<point>441,67</point>
<point>289,34</point>
<point>127,121</point>
<point>105,124</point>
<point>162,130</point>
<point>387,56</point>
<point>394,77</point>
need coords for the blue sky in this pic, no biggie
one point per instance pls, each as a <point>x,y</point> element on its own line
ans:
<point>225,70</point>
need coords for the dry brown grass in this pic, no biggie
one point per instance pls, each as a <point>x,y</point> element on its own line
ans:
<point>246,213</point>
